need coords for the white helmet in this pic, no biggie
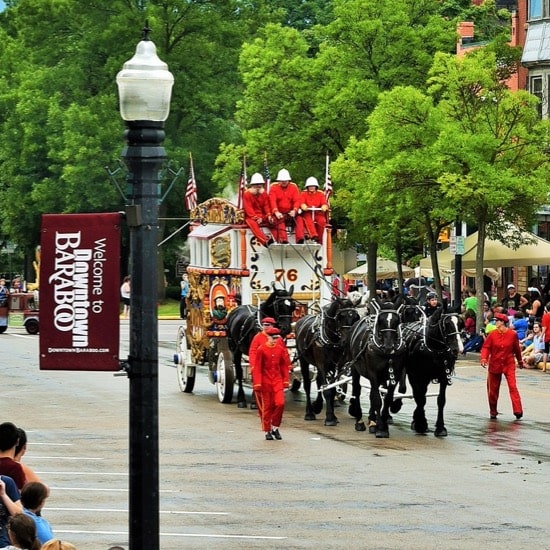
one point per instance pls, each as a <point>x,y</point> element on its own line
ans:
<point>311,181</point>
<point>283,175</point>
<point>257,179</point>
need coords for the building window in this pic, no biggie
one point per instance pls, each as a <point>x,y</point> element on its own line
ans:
<point>535,9</point>
<point>535,87</point>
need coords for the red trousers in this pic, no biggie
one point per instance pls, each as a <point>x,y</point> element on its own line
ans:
<point>271,405</point>
<point>493,389</point>
<point>256,230</point>
<point>314,223</point>
<point>279,230</point>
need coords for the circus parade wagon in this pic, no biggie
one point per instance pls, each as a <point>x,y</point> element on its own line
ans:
<point>229,268</point>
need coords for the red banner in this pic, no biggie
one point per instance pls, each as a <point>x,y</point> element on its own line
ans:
<point>80,292</point>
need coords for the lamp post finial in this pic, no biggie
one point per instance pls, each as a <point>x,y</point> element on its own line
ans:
<point>145,31</point>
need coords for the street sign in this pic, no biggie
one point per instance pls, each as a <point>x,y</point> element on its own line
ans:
<point>452,244</point>
<point>460,245</point>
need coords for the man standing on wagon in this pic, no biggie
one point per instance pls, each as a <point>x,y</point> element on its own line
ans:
<point>269,379</point>
<point>284,198</point>
<point>257,210</point>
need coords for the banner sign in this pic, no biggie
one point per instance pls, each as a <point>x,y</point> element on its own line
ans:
<point>80,292</point>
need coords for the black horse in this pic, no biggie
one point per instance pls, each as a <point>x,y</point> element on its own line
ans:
<point>433,345</point>
<point>377,350</point>
<point>243,323</point>
<point>321,340</point>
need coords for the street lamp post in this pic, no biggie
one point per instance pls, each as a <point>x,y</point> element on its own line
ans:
<point>145,86</point>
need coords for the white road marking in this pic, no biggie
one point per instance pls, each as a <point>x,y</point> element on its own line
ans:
<point>67,458</point>
<point>99,490</point>
<point>201,535</point>
<point>42,472</point>
<point>125,511</point>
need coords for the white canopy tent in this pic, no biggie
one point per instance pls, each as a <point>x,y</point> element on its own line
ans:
<point>385,269</point>
<point>496,254</point>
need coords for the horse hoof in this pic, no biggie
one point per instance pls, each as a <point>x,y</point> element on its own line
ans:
<point>382,434</point>
<point>440,432</point>
<point>241,404</point>
<point>372,429</point>
<point>395,407</point>
<point>331,422</point>
<point>360,427</point>
<point>310,416</point>
<point>418,428</point>
<point>253,405</point>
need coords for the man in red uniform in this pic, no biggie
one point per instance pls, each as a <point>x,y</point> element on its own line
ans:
<point>545,325</point>
<point>314,206</point>
<point>258,340</point>
<point>284,199</point>
<point>270,378</point>
<point>498,352</point>
<point>257,211</point>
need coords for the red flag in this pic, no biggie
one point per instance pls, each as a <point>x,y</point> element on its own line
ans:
<point>328,181</point>
<point>242,184</point>
<point>191,191</point>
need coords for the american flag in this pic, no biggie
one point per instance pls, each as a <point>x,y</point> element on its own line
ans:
<point>267,175</point>
<point>242,184</point>
<point>328,181</point>
<point>191,191</point>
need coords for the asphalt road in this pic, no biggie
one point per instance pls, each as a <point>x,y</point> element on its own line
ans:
<point>223,486</point>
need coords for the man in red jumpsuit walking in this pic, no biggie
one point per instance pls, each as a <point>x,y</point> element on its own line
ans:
<point>498,352</point>
<point>269,379</point>
<point>284,199</point>
<point>257,210</point>
<point>259,340</point>
<point>314,206</point>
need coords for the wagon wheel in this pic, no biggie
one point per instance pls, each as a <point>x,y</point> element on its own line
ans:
<point>225,378</point>
<point>32,326</point>
<point>185,371</point>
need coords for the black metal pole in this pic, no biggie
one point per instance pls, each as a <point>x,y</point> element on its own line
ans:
<point>144,157</point>
<point>458,269</point>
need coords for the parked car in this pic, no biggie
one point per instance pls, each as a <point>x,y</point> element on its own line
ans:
<point>20,310</point>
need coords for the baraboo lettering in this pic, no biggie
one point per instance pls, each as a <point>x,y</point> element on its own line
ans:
<point>71,281</point>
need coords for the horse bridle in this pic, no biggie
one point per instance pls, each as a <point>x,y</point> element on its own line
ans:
<point>280,316</point>
<point>443,334</point>
<point>398,330</point>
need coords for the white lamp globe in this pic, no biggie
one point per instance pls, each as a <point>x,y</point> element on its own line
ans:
<point>145,85</point>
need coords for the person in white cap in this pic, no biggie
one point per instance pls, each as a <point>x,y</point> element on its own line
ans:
<point>511,302</point>
<point>313,221</point>
<point>284,199</point>
<point>257,211</point>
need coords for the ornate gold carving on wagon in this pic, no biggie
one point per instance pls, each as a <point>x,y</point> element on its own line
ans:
<point>211,298</point>
<point>220,251</point>
<point>218,210</point>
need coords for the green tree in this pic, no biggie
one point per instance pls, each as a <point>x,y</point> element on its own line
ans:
<point>58,100</point>
<point>493,148</point>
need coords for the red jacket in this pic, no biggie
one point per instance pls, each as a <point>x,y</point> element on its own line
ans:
<point>313,200</point>
<point>256,206</point>
<point>272,367</point>
<point>545,324</point>
<point>284,200</point>
<point>499,350</point>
